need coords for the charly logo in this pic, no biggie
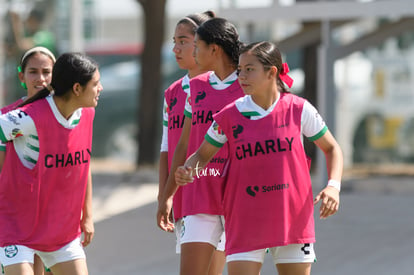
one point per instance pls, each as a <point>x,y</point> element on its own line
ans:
<point>237,129</point>
<point>252,190</point>
<point>200,96</point>
<point>10,251</point>
<point>173,102</point>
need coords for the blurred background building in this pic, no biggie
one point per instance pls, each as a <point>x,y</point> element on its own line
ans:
<point>353,59</point>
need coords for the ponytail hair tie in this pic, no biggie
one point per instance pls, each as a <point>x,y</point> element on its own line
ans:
<point>284,76</point>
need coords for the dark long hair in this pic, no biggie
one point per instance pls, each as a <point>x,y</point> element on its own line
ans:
<point>196,19</point>
<point>268,55</point>
<point>70,68</point>
<point>221,32</point>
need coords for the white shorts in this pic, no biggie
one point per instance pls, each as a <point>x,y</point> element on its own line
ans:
<point>202,228</point>
<point>16,254</point>
<point>293,253</point>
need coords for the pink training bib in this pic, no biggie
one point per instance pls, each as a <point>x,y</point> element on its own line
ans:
<point>268,198</point>
<point>41,207</point>
<point>175,97</point>
<point>205,194</point>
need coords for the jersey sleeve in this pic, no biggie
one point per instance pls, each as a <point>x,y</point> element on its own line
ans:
<point>165,113</point>
<point>313,125</point>
<point>15,124</point>
<point>164,139</point>
<point>215,135</point>
<point>188,110</point>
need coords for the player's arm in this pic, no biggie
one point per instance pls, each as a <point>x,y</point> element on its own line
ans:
<point>87,225</point>
<point>333,155</point>
<point>180,153</point>
<point>329,196</point>
<point>14,124</point>
<point>165,202</point>
<point>213,141</point>
<point>163,162</point>
<point>198,160</point>
<point>2,155</point>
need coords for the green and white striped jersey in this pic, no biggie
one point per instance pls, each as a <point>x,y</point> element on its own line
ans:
<point>22,131</point>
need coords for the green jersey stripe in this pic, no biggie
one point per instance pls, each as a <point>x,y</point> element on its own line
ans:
<point>212,141</point>
<point>230,82</point>
<point>318,135</point>
<point>250,114</point>
<point>188,114</point>
<point>29,159</point>
<point>34,137</point>
<point>33,148</point>
<point>75,122</point>
<point>2,136</point>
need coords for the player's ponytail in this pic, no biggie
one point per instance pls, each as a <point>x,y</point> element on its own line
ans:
<point>221,32</point>
<point>39,95</point>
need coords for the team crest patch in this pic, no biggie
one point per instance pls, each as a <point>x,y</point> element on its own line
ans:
<point>17,133</point>
<point>182,228</point>
<point>10,251</point>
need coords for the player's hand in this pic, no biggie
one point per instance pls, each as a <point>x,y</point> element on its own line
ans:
<point>329,198</point>
<point>183,175</point>
<point>88,230</point>
<point>164,217</point>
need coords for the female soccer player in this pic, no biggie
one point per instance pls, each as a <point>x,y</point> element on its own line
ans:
<point>216,50</point>
<point>173,119</point>
<point>42,196</point>
<point>268,200</point>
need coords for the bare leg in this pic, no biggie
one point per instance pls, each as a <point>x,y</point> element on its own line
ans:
<point>75,267</point>
<point>47,272</point>
<point>294,269</point>
<point>196,258</point>
<point>19,269</point>
<point>218,262</point>
<point>38,266</point>
<point>244,268</point>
